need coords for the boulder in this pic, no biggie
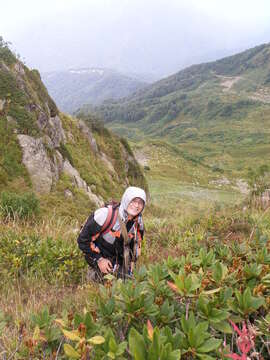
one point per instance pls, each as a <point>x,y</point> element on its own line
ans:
<point>37,162</point>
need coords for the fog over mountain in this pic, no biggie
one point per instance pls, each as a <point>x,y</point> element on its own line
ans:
<point>154,37</point>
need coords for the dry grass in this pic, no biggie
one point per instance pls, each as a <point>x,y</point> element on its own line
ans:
<point>25,298</point>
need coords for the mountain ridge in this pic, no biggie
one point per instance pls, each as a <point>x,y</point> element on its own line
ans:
<point>75,87</point>
<point>219,111</point>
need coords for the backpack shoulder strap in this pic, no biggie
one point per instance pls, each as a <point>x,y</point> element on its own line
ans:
<point>110,220</point>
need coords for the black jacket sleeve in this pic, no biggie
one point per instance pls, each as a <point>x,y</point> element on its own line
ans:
<point>90,228</point>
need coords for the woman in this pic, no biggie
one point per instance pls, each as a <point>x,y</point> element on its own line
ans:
<point>111,237</point>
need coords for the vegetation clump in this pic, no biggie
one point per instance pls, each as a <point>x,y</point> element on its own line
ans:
<point>5,53</point>
<point>199,303</point>
<point>23,206</point>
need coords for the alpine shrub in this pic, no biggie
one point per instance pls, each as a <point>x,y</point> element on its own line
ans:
<point>22,206</point>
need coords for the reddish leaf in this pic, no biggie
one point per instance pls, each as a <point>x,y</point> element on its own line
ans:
<point>172,286</point>
<point>150,329</point>
<point>245,341</point>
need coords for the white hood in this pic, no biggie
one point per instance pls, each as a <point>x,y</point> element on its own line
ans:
<point>130,193</point>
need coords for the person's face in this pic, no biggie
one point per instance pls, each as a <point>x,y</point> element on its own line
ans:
<point>135,207</point>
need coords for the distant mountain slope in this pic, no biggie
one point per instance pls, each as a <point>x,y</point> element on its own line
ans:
<point>246,74</point>
<point>218,111</point>
<point>73,88</point>
<point>73,165</point>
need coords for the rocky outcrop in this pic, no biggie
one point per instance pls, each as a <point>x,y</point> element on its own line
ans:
<point>45,171</point>
<point>52,126</point>
<point>80,183</point>
<point>42,120</point>
<point>51,143</point>
<point>55,131</point>
<point>18,67</point>
<point>57,165</point>
<point>87,133</point>
<point>37,162</point>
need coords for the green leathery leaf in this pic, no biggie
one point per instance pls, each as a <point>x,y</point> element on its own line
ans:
<point>219,272</point>
<point>71,352</point>
<point>96,340</point>
<point>111,355</point>
<point>223,327</point>
<point>209,345</point>
<point>121,348</point>
<point>71,335</point>
<point>137,345</point>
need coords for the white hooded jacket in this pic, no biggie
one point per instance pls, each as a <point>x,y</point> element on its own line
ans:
<point>106,242</point>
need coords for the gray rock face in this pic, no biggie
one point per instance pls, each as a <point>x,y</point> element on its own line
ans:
<point>42,157</point>
<point>45,171</point>
<point>57,165</point>
<point>86,131</point>
<point>19,68</point>
<point>36,160</point>
<point>42,120</point>
<point>52,126</point>
<point>80,183</point>
<point>56,132</point>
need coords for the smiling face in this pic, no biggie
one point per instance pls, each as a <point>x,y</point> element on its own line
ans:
<point>135,206</point>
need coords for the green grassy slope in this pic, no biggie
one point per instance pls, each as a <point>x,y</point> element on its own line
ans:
<point>218,112</point>
<point>178,180</point>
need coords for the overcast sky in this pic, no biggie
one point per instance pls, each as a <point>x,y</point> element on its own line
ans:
<point>142,36</point>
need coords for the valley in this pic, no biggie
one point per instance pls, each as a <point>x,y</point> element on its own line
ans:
<point>198,142</point>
